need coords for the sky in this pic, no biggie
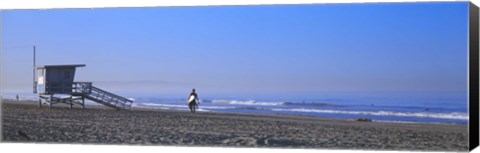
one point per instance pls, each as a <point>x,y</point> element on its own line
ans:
<point>300,50</point>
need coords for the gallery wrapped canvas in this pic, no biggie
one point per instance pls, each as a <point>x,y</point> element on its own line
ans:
<point>367,76</point>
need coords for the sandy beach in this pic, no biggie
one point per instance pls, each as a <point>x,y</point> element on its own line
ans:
<point>25,122</point>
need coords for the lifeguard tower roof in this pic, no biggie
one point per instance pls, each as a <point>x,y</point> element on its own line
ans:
<point>60,66</point>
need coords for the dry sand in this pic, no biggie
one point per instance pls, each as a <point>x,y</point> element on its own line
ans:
<point>25,122</point>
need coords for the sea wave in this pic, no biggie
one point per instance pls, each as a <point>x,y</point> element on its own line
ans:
<point>168,106</point>
<point>409,122</point>
<point>260,103</point>
<point>247,102</point>
<point>162,105</point>
<point>452,115</point>
<point>180,106</point>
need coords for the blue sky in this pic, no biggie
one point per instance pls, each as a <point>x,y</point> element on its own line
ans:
<point>226,50</point>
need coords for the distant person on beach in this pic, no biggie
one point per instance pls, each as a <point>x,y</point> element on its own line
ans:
<point>193,101</point>
<point>17,97</point>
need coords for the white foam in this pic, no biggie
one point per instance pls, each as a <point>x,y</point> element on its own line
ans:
<point>408,122</point>
<point>149,107</point>
<point>171,108</point>
<point>163,105</point>
<point>453,115</point>
<point>248,102</point>
<point>203,110</point>
<point>216,107</point>
<point>180,106</point>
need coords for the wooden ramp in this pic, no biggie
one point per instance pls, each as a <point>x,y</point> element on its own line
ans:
<point>85,89</point>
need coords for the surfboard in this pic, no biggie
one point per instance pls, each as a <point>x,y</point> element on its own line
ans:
<point>192,98</point>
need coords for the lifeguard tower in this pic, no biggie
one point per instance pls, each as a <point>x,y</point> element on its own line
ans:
<point>55,84</point>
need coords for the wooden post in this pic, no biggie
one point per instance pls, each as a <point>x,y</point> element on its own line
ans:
<point>71,102</point>
<point>50,102</point>
<point>34,65</point>
<point>83,102</point>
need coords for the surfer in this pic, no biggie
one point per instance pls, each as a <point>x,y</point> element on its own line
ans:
<point>193,101</point>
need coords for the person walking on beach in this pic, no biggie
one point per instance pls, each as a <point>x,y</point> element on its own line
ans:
<point>17,98</point>
<point>193,101</point>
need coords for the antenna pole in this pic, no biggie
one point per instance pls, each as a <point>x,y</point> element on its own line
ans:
<point>34,64</point>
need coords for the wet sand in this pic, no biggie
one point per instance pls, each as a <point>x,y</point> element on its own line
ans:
<point>25,122</point>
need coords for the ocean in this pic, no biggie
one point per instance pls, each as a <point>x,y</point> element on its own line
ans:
<point>445,108</point>
<point>403,108</point>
